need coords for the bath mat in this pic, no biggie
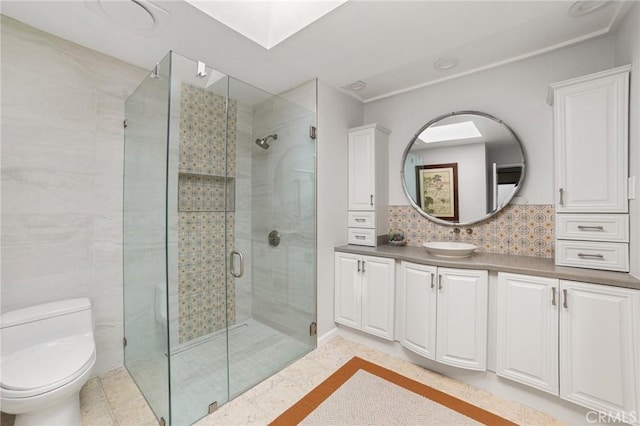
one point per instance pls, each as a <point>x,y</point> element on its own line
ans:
<point>363,393</point>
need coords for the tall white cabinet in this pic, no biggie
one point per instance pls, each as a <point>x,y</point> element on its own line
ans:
<point>444,314</point>
<point>591,116</point>
<point>572,339</point>
<point>368,186</point>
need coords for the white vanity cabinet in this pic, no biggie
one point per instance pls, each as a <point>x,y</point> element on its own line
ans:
<point>527,337</point>
<point>591,120</point>
<point>444,314</point>
<point>364,293</point>
<point>368,183</point>
<point>599,349</point>
<point>572,339</point>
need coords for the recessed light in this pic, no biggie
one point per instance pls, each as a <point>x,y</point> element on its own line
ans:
<point>355,86</point>
<point>446,63</point>
<point>584,7</point>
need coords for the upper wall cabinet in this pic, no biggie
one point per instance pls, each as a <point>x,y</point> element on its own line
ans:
<point>368,183</point>
<point>591,116</point>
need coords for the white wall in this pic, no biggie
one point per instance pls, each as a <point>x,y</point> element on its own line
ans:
<point>627,51</point>
<point>62,147</point>
<point>337,112</point>
<point>515,93</point>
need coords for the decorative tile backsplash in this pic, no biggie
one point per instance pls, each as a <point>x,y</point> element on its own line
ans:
<point>206,291</point>
<point>525,230</point>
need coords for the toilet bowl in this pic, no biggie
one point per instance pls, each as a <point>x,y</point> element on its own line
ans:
<point>48,354</point>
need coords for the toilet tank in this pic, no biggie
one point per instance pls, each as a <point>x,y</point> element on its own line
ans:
<point>43,323</point>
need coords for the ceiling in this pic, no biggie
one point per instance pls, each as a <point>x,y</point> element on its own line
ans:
<point>391,45</point>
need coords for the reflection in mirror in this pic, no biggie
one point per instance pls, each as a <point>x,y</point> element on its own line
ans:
<point>462,168</point>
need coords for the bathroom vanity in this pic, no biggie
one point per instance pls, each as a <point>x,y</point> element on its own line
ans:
<point>569,332</point>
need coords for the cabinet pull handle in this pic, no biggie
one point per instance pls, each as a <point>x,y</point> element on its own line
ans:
<point>591,256</point>
<point>590,228</point>
<point>432,283</point>
<point>439,282</point>
<point>561,196</point>
<point>553,296</point>
<point>359,265</point>
<point>359,220</point>
<point>363,266</point>
<point>371,199</point>
<point>564,303</point>
<point>360,237</point>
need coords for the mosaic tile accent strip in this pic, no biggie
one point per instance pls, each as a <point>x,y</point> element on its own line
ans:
<point>203,133</point>
<point>206,290</point>
<point>523,230</point>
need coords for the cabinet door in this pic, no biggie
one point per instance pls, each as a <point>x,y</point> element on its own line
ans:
<point>527,347</point>
<point>362,159</point>
<point>378,290</point>
<point>599,346</point>
<point>418,308</point>
<point>591,121</point>
<point>348,282</point>
<point>461,338</point>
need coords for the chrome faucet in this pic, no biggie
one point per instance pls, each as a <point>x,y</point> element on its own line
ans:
<point>455,234</point>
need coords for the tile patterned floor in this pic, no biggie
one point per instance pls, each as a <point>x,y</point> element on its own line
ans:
<point>113,398</point>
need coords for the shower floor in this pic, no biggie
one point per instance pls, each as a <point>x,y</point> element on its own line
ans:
<point>199,371</point>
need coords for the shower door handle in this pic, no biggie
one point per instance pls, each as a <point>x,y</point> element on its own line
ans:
<point>240,273</point>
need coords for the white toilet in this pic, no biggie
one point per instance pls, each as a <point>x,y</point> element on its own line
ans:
<point>48,353</point>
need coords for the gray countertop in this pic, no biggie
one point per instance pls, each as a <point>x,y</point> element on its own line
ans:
<point>500,263</point>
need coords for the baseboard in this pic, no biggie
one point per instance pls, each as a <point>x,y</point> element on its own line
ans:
<point>327,336</point>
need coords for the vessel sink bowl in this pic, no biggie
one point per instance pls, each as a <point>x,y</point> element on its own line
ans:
<point>449,249</point>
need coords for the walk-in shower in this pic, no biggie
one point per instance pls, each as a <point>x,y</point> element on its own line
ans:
<point>211,307</point>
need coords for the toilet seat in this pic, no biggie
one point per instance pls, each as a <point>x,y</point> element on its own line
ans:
<point>39,369</point>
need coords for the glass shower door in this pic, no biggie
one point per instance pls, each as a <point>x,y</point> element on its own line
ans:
<point>271,160</point>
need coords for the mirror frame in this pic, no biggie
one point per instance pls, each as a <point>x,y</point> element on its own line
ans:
<point>488,215</point>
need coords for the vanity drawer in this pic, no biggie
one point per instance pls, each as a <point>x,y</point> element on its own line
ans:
<point>593,255</point>
<point>362,236</point>
<point>593,227</point>
<point>362,220</point>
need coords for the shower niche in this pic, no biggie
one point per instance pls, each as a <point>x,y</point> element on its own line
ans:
<point>211,165</point>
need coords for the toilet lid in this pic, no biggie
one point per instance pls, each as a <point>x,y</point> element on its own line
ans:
<point>48,365</point>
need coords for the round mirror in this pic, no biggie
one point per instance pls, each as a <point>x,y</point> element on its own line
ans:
<point>462,168</point>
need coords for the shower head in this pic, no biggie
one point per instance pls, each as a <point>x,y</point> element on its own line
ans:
<point>262,142</point>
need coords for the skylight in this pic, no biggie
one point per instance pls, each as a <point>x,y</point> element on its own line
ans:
<point>267,23</point>
<point>450,132</point>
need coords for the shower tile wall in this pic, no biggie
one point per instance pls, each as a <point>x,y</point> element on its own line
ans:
<point>205,301</point>
<point>525,230</point>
